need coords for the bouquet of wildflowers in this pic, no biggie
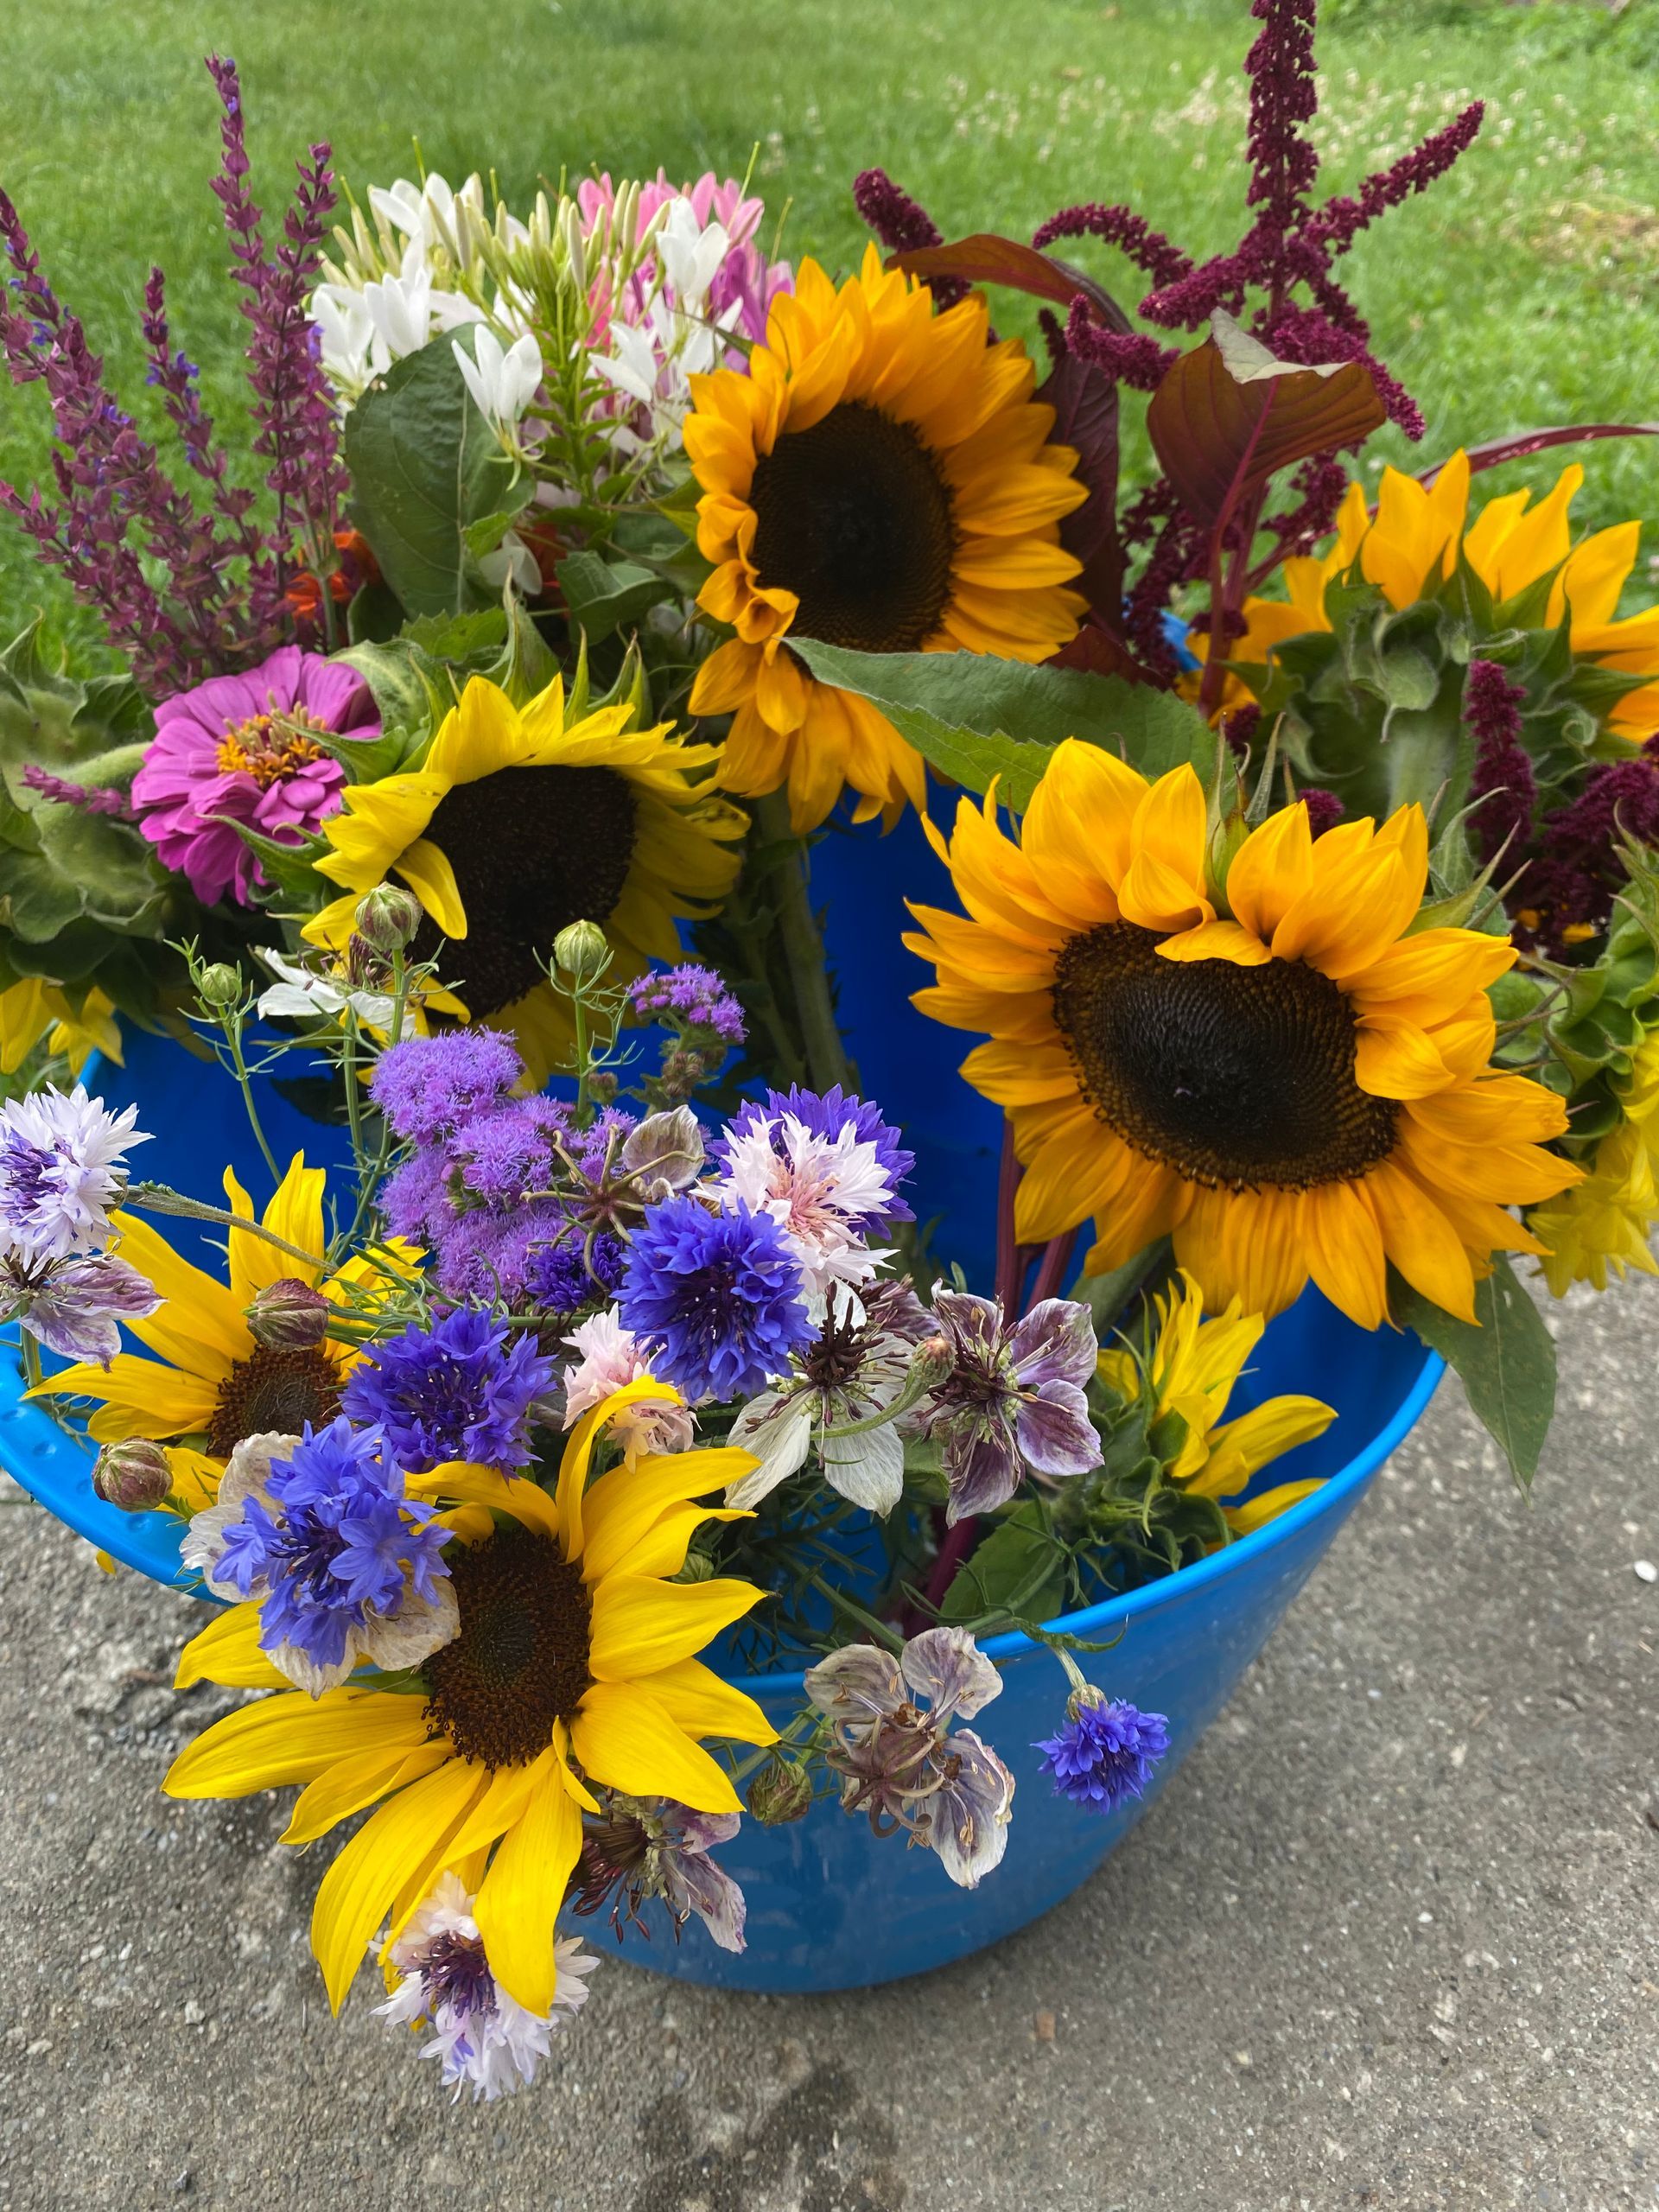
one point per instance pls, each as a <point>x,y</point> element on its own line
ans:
<point>602,562</point>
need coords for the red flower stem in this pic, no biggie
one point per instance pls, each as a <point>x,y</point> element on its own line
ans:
<point>958,1543</point>
<point>1009,1271</point>
<point>1056,1259</point>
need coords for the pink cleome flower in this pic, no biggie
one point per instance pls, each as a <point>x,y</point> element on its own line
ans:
<point>244,749</point>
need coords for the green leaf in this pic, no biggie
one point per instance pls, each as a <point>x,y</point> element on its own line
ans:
<point>1507,1365</point>
<point>603,597</point>
<point>425,466</point>
<point>975,717</point>
<point>1019,1568</point>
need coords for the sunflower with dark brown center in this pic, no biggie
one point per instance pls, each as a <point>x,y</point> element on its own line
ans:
<point>1278,1070</point>
<point>878,477</point>
<point>574,1663</point>
<point>519,821</point>
<point>209,1378</point>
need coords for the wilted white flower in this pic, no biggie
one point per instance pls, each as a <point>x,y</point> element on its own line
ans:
<point>301,994</point>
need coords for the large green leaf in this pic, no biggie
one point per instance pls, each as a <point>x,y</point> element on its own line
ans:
<point>426,466</point>
<point>975,717</point>
<point>1507,1365</point>
<point>602,596</point>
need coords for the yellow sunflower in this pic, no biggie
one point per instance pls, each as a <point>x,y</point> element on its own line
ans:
<point>1603,1227</point>
<point>575,1663</point>
<point>1288,1083</point>
<point>30,1009</point>
<point>880,479</point>
<point>1192,1365</point>
<point>517,824</point>
<point>1411,545</point>
<point>209,1377</point>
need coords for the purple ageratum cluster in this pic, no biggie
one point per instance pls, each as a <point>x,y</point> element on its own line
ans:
<point>243,749</point>
<point>466,1192</point>
<point>689,999</point>
<point>1105,1752</point>
<point>460,1389</point>
<point>329,1544</point>
<point>717,1297</point>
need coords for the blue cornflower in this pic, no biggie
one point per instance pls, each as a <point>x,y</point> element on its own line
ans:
<point>719,1295</point>
<point>460,1389</point>
<point>1105,1752</point>
<point>331,1546</point>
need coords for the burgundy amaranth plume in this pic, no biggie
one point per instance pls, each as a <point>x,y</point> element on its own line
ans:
<point>211,599</point>
<point>1502,787</point>
<point>1279,282</point>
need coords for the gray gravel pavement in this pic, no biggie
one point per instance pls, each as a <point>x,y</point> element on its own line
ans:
<point>1390,1939</point>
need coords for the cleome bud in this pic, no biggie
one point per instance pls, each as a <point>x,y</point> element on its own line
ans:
<point>287,1315</point>
<point>781,1792</point>
<point>133,1475</point>
<point>219,985</point>
<point>387,917</point>
<point>581,951</point>
<point>930,1363</point>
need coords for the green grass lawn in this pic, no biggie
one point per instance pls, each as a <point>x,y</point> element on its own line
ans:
<point>1521,291</point>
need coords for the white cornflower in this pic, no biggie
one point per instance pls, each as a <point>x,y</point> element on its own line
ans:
<point>611,1358</point>
<point>481,2035</point>
<point>823,1191</point>
<point>61,1171</point>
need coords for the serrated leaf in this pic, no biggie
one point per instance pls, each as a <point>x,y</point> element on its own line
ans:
<point>975,717</point>
<point>425,465</point>
<point>1507,1365</point>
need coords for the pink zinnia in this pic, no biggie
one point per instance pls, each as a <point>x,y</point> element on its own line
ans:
<point>244,749</point>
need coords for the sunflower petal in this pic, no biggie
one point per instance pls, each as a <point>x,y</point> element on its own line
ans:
<point>519,1902</point>
<point>626,1740</point>
<point>359,1889</point>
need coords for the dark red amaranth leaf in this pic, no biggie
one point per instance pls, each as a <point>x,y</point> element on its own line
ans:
<point>1097,652</point>
<point>1084,400</point>
<point>1218,440</point>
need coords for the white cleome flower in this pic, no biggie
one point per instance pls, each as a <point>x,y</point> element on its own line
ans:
<point>502,380</point>
<point>481,2036</point>
<point>352,350</point>
<point>301,994</point>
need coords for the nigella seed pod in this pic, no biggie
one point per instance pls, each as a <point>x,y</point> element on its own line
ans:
<point>932,1362</point>
<point>781,1792</point>
<point>133,1475</point>
<point>387,917</point>
<point>220,985</point>
<point>287,1315</point>
<point>581,951</point>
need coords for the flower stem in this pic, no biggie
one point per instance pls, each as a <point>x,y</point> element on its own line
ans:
<point>958,1543</point>
<point>1056,1259</point>
<point>156,1198</point>
<point>826,1056</point>
<point>233,1038</point>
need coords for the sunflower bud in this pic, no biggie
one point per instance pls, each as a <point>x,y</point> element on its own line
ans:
<point>287,1315</point>
<point>387,917</point>
<point>219,985</point>
<point>781,1792</point>
<point>133,1474</point>
<point>581,951</point>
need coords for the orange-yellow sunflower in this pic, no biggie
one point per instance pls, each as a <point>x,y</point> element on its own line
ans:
<point>880,479</point>
<point>574,1665</point>
<point>1411,545</point>
<point>1273,1071</point>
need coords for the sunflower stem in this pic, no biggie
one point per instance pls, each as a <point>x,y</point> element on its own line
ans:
<point>826,1056</point>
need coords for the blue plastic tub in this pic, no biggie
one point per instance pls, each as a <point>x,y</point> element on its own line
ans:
<point>831,1906</point>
